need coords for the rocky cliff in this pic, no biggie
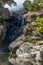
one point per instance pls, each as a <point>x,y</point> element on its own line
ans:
<point>11,27</point>
<point>29,46</point>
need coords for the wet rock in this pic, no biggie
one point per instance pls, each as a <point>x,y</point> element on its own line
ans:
<point>35,33</point>
<point>41,53</point>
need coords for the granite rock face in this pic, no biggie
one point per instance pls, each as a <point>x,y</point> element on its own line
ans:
<point>10,28</point>
<point>15,44</point>
<point>30,44</point>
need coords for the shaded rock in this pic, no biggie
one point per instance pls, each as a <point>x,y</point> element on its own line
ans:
<point>27,32</point>
<point>35,38</point>
<point>28,19</point>
<point>41,15</point>
<point>27,29</point>
<point>15,44</point>
<point>33,25</point>
<point>4,12</point>
<point>33,17</point>
<point>40,42</point>
<point>37,13</point>
<point>41,53</point>
<point>36,48</point>
<point>39,57</point>
<point>2,32</point>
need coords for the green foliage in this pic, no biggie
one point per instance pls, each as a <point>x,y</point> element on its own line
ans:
<point>13,55</point>
<point>40,30</point>
<point>33,6</point>
<point>38,1</point>
<point>34,41</point>
<point>39,22</point>
<point>27,5</point>
<point>9,2</point>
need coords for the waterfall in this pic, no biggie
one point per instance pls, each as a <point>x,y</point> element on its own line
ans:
<point>23,22</point>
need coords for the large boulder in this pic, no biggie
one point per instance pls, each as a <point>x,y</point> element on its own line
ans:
<point>25,55</point>
<point>15,44</point>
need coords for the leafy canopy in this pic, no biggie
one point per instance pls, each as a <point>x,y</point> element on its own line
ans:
<point>27,5</point>
<point>32,6</point>
<point>38,1</point>
<point>9,2</point>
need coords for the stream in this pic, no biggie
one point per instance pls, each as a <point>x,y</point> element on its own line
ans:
<point>14,32</point>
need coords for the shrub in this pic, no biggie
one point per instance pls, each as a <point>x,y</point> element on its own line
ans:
<point>39,22</point>
<point>40,29</point>
<point>34,41</point>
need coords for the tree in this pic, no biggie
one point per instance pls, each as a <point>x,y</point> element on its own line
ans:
<point>27,5</point>
<point>38,1</point>
<point>33,6</point>
<point>9,2</point>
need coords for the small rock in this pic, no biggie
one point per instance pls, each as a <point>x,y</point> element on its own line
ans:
<point>33,24</point>
<point>39,42</point>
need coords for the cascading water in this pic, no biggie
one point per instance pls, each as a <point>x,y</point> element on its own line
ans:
<point>13,33</point>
